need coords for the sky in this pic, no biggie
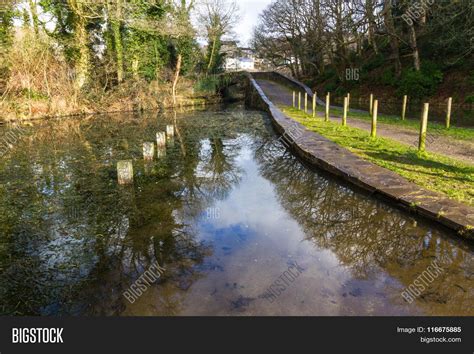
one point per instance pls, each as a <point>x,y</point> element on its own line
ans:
<point>249,11</point>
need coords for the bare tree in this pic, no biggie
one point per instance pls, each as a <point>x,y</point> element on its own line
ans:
<point>217,19</point>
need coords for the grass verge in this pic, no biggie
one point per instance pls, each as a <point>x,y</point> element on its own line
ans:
<point>431,171</point>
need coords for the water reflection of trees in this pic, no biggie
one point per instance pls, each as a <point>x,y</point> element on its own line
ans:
<point>366,234</point>
<point>72,240</point>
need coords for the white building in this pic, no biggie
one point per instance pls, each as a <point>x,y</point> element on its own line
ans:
<point>246,63</point>
<point>231,64</point>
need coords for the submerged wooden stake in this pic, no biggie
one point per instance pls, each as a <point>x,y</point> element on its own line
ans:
<point>344,116</point>
<point>373,131</point>
<point>315,97</point>
<point>423,127</point>
<point>148,167</point>
<point>404,107</point>
<point>328,99</point>
<point>148,151</point>
<point>161,151</point>
<point>170,131</point>
<point>160,139</point>
<point>125,172</point>
<point>448,112</point>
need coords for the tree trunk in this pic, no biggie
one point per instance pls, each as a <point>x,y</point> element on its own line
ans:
<point>115,18</point>
<point>83,61</point>
<point>414,46</point>
<point>211,56</point>
<point>176,77</point>
<point>135,64</point>
<point>369,9</point>
<point>394,45</point>
<point>118,50</point>
<point>116,25</point>
<point>81,41</point>
<point>341,48</point>
<point>34,15</point>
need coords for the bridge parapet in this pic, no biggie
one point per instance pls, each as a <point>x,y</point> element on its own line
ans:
<point>286,81</point>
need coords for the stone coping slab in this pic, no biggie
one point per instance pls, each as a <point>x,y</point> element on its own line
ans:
<point>327,155</point>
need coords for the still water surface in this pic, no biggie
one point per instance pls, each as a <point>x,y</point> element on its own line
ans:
<point>224,210</point>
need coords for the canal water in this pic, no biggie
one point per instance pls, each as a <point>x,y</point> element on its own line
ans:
<point>240,226</point>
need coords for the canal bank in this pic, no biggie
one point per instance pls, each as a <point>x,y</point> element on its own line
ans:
<point>329,156</point>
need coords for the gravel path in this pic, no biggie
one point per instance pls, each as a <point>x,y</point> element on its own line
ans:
<point>459,149</point>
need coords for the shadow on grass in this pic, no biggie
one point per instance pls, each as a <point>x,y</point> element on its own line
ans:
<point>412,158</point>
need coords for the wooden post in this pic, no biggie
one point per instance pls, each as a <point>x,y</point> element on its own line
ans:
<point>328,99</point>
<point>404,107</point>
<point>371,103</point>
<point>299,101</point>
<point>448,112</point>
<point>423,127</point>
<point>348,101</point>
<point>125,172</point>
<point>344,116</point>
<point>306,102</point>
<point>314,104</point>
<point>148,151</point>
<point>373,131</point>
<point>170,131</point>
<point>294,99</point>
<point>160,139</point>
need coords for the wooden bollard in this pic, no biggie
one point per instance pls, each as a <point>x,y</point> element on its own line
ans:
<point>371,103</point>
<point>148,151</point>
<point>448,112</point>
<point>348,100</point>
<point>328,99</point>
<point>148,167</point>
<point>375,108</point>
<point>294,99</point>
<point>404,107</point>
<point>161,151</point>
<point>315,95</point>
<point>306,102</point>
<point>170,131</point>
<point>160,139</point>
<point>423,127</point>
<point>125,172</point>
<point>299,101</point>
<point>344,116</point>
